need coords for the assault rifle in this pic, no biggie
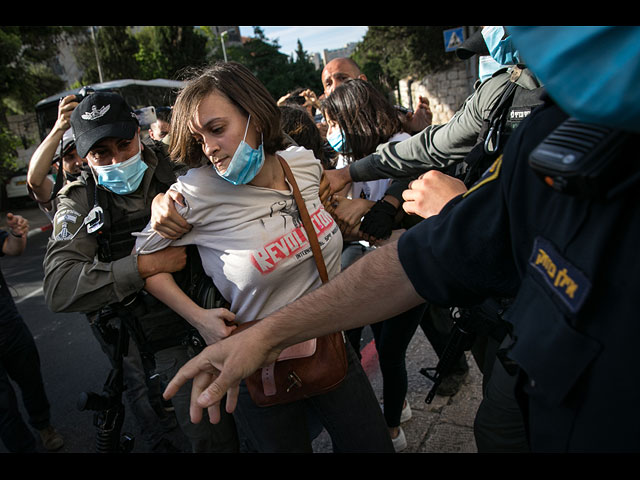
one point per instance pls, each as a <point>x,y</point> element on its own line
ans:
<point>468,323</point>
<point>108,407</point>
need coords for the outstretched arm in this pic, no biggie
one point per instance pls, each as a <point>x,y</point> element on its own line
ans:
<point>337,179</point>
<point>16,241</point>
<point>41,160</point>
<point>335,306</point>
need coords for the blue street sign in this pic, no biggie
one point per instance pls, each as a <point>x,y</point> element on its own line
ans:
<point>453,38</point>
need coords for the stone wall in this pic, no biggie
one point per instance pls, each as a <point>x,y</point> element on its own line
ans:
<point>446,90</point>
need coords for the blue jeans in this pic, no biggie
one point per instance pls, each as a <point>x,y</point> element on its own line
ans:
<point>350,413</point>
<point>20,362</point>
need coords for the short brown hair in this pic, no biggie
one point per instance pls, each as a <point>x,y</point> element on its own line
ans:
<point>243,89</point>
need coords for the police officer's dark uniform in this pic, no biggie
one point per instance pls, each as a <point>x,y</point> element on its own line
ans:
<point>570,263</point>
<point>93,270</point>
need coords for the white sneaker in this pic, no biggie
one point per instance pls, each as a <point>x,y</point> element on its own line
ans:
<point>406,412</point>
<point>400,442</point>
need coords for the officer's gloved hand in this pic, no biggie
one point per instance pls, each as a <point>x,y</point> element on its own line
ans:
<point>379,220</point>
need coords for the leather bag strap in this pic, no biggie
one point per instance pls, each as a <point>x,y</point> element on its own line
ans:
<point>306,221</point>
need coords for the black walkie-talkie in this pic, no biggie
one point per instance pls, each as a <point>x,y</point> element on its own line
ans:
<point>575,157</point>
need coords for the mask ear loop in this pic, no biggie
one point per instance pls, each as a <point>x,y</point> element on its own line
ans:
<point>246,129</point>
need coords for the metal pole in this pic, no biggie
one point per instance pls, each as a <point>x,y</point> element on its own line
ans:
<point>95,50</point>
<point>224,51</point>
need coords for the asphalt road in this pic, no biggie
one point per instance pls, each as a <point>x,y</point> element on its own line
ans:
<point>71,358</point>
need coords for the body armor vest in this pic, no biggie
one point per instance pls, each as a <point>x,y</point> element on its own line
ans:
<point>153,325</point>
<point>512,107</point>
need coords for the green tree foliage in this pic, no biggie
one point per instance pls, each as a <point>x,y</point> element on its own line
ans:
<point>265,61</point>
<point>214,44</point>
<point>181,46</point>
<point>25,77</point>
<point>166,51</point>
<point>277,72</point>
<point>388,53</point>
<point>115,47</point>
<point>151,60</point>
<point>304,72</point>
<point>153,52</point>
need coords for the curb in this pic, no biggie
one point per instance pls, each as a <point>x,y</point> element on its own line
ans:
<point>369,360</point>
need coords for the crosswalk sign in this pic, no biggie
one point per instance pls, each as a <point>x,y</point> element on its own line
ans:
<point>453,38</point>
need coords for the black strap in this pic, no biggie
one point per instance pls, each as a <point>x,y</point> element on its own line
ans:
<point>59,177</point>
<point>495,122</point>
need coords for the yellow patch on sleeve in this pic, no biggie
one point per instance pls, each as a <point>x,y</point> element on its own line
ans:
<point>491,174</point>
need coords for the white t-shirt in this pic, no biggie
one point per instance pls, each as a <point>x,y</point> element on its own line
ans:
<point>251,240</point>
<point>372,190</point>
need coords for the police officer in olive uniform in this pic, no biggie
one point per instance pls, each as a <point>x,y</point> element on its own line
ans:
<point>442,146</point>
<point>89,265</point>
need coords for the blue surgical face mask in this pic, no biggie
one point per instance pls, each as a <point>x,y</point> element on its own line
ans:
<point>487,66</point>
<point>591,72</point>
<point>246,162</point>
<point>501,49</point>
<point>336,140</point>
<point>124,177</point>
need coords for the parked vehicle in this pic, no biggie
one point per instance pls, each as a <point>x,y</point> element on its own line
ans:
<point>15,188</point>
<point>16,185</point>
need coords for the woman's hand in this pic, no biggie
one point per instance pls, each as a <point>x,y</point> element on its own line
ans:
<point>165,219</point>
<point>213,324</point>
<point>325,190</point>
<point>338,179</point>
<point>349,212</point>
<point>310,98</point>
<point>420,119</point>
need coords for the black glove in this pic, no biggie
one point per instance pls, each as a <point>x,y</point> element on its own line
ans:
<point>379,220</point>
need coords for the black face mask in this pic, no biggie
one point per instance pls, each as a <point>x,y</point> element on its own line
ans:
<point>71,176</point>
